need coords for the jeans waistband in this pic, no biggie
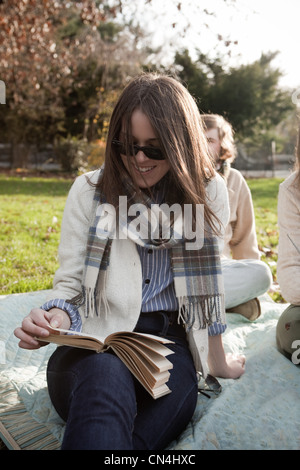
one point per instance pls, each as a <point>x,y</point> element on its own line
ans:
<point>161,323</point>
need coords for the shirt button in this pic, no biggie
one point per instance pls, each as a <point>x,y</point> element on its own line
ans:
<point>150,251</point>
<point>147,281</point>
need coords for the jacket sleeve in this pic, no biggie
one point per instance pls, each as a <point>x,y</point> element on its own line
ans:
<point>74,233</point>
<point>217,199</point>
<point>288,265</point>
<point>243,243</point>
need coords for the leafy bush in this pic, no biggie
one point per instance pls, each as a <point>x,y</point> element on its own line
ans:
<point>72,153</point>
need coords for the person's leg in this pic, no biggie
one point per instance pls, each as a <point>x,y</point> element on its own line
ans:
<point>158,422</point>
<point>244,280</point>
<point>95,395</point>
<point>288,333</point>
<point>106,408</point>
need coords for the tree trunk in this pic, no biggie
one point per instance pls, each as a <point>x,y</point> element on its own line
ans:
<point>20,154</point>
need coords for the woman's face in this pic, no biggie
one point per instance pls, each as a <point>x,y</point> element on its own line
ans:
<point>214,143</point>
<point>146,172</point>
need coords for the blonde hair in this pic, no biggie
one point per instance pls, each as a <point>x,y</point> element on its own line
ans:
<point>225,132</point>
<point>177,123</point>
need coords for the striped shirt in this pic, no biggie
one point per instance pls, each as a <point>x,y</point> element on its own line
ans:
<point>158,291</point>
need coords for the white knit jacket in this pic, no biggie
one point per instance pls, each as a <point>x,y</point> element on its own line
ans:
<point>124,288</point>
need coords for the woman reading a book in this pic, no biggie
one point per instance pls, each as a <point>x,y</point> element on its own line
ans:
<point>115,275</point>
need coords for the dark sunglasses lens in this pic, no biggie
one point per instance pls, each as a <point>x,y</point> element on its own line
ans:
<point>209,385</point>
<point>213,384</point>
<point>119,145</point>
<point>153,153</point>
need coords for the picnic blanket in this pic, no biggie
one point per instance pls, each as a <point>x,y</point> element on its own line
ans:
<point>258,411</point>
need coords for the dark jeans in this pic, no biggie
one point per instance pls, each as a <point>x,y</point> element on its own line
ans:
<point>106,408</point>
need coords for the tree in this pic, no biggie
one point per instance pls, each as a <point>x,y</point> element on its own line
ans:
<point>37,63</point>
<point>98,80</point>
<point>248,96</point>
<point>64,63</point>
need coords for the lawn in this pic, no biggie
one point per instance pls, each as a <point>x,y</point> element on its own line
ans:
<point>31,211</point>
<point>264,194</point>
<point>30,217</point>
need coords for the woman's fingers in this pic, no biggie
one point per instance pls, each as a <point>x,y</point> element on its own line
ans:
<point>26,341</point>
<point>37,325</point>
<point>34,325</point>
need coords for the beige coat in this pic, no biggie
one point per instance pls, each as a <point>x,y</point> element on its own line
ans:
<point>240,234</point>
<point>288,266</point>
<point>125,307</point>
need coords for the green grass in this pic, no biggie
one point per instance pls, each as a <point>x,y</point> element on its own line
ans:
<point>265,196</point>
<point>30,220</point>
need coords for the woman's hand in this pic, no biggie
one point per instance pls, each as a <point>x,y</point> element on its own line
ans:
<point>37,323</point>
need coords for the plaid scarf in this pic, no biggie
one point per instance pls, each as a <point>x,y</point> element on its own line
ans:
<point>197,273</point>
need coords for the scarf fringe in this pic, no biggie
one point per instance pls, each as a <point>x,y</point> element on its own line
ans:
<point>198,312</point>
<point>94,302</point>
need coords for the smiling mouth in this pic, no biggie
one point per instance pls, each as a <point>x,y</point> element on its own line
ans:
<point>145,169</point>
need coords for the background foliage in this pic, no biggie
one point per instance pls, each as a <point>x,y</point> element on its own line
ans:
<point>64,64</point>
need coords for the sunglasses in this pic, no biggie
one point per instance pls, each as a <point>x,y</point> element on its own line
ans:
<point>154,153</point>
<point>209,385</point>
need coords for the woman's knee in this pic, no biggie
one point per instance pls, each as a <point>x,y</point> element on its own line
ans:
<point>104,371</point>
<point>81,373</point>
<point>263,275</point>
<point>258,273</point>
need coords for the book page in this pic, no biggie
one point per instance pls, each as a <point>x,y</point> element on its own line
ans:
<point>158,361</point>
<point>156,391</point>
<point>150,343</point>
<point>76,333</point>
<point>144,356</point>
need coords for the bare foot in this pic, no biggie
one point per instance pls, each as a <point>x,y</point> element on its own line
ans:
<point>235,365</point>
<point>227,366</point>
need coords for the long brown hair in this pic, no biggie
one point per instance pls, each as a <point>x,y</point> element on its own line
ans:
<point>176,121</point>
<point>225,132</point>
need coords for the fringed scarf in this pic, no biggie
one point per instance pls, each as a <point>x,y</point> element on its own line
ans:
<point>197,273</point>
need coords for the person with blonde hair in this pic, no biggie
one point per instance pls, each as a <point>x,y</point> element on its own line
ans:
<point>245,276</point>
<point>288,265</point>
<point>156,154</point>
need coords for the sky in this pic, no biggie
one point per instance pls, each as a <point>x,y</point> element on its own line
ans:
<point>257,25</point>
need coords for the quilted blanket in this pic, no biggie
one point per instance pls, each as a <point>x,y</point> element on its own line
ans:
<point>258,411</point>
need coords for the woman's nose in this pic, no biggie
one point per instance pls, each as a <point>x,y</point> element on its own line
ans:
<point>141,157</point>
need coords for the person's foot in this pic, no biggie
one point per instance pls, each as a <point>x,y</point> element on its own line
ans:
<point>250,310</point>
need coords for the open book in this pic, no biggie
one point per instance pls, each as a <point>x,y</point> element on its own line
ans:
<point>143,354</point>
